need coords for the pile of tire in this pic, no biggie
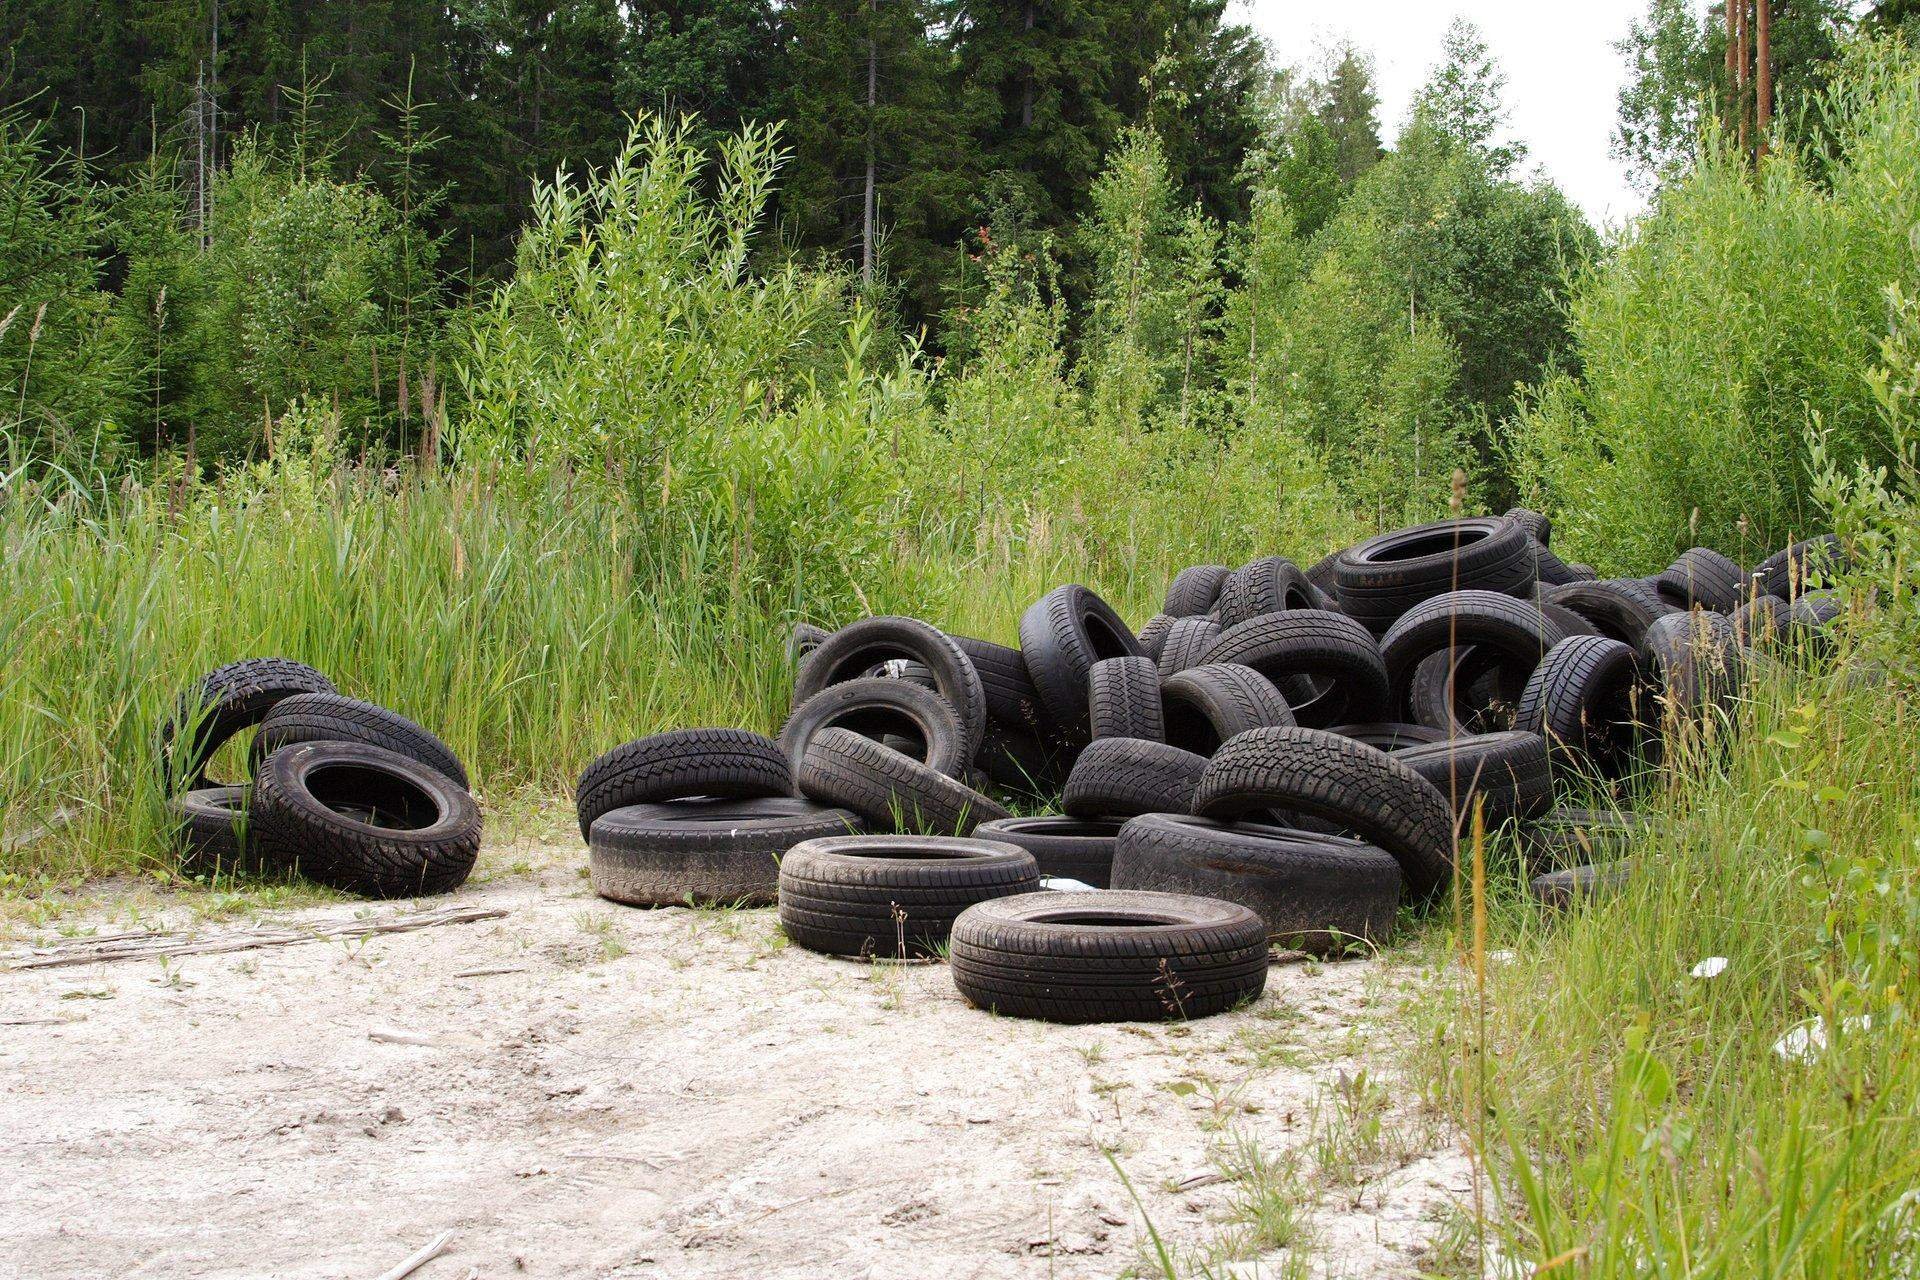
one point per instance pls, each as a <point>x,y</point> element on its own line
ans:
<point>1282,755</point>
<point>342,792</point>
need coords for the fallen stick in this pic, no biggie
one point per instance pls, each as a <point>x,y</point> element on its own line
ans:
<point>90,951</point>
<point>490,971</point>
<point>419,1258</point>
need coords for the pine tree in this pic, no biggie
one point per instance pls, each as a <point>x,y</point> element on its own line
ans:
<point>1350,113</point>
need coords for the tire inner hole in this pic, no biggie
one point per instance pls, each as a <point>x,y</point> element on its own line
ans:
<point>373,796</point>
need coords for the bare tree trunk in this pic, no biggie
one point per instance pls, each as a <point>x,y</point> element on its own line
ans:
<point>1763,68</point>
<point>873,98</point>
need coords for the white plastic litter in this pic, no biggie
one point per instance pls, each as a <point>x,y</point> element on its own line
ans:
<point>1711,967</point>
<point>1063,883</point>
<point>1803,1042</point>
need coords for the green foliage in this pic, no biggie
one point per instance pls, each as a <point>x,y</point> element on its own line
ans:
<point>1734,309</point>
<point>1465,99</point>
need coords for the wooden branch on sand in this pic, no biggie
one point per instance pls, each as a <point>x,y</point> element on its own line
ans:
<point>153,946</point>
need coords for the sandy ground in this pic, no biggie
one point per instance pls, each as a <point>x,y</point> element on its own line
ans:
<point>658,1094</point>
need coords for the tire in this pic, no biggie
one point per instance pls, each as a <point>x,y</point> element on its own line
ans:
<point>1074,848</point>
<point>1062,635</point>
<point>1481,698</point>
<point>854,651</point>
<point>1194,590</point>
<point>213,833</point>
<point>1507,772</point>
<point>1702,579</point>
<point>329,717</point>
<point>1316,893</point>
<point>1333,658</point>
<point>1538,526</point>
<point>1796,570</point>
<point>1022,763</point>
<point>704,852</point>
<point>1566,621</point>
<point>228,700</point>
<point>1758,622</point>
<point>889,790</point>
<point>1384,577</point>
<point>1560,890</point>
<point>1273,584</point>
<point>1123,697</point>
<point>685,764</point>
<point>1325,776</point>
<point>1012,701</point>
<point>803,640</point>
<point>1694,659</point>
<point>1188,640</point>
<point>364,820</point>
<point>1390,736</point>
<point>1109,956</point>
<point>1204,706</point>
<point>1153,636</point>
<point>892,896</point>
<point>1122,777</point>
<point>1569,837</point>
<point>1584,700</point>
<point>1497,626</point>
<point>1813,612</point>
<point>1618,608</point>
<point>1320,574</point>
<point>913,720</point>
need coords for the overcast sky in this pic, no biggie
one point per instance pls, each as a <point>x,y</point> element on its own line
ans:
<point>1562,71</point>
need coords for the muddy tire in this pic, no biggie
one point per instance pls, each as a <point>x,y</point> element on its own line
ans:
<point>1204,706</point>
<point>685,764</point>
<point>1062,635</point>
<point>1194,590</point>
<point>1382,578</point>
<point>913,720</point>
<point>891,792</point>
<point>704,852</point>
<point>1507,772</point>
<point>213,833</point>
<point>1122,777</point>
<point>892,896</point>
<point>364,820</point>
<point>1339,781</point>
<point>329,717</point>
<point>1317,893</point>
<point>1073,848</point>
<point>1333,659</point>
<point>1109,956</point>
<point>1123,699</point>
<point>226,701</point>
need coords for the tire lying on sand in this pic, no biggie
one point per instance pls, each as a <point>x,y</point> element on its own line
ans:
<point>1317,893</point>
<point>1108,956</point>
<point>684,764</point>
<point>1062,635</point>
<point>1121,777</point>
<point>889,791</point>
<point>1123,699</point>
<point>330,717</point>
<point>1202,707</point>
<point>856,650</point>
<point>1383,577</point>
<point>1339,781</point>
<point>1071,848</point>
<point>892,896</point>
<point>1332,661</point>
<point>704,852</point>
<point>1505,772</point>
<point>226,701</point>
<point>913,720</point>
<point>213,832</point>
<point>364,819</point>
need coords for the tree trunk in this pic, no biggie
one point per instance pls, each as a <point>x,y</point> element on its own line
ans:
<point>1741,63</point>
<point>1763,69</point>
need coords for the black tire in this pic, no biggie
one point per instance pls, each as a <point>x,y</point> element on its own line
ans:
<point>1333,659</point>
<point>1121,777</point>
<point>1584,700</point>
<point>364,820</point>
<point>893,896</point>
<point>1507,772</point>
<point>1390,736</point>
<point>1012,701</point>
<point>1109,956</point>
<point>1565,621</point>
<point>1702,579</point>
<point>1072,848</point>
<point>1272,584</point>
<point>1560,890</point>
<point>1123,699</point>
<point>1618,608</point>
<point>329,717</point>
<point>1571,837</point>
<point>1153,636</point>
<point>704,852</point>
<point>226,701</point>
<point>1481,698</point>
<point>1204,706</point>
<point>1188,640</point>
<point>1694,659</point>
<point>1325,776</point>
<point>1384,577</point>
<point>1496,625</point>
<point>1758,622</point>
<point>1062,635</point>
<point>889,791</point>
<point>685,764</point>
<point>213,832</point>
<point>1814,612</point>
<point>1194,590</point>
<point>803,640</point>
<point>1321,574</point>
<point>1022,763</point>
<point>911,719</point>
<point>1316,893</point>
<point>854,651</point>
<point>1538,526</point>
<point>1798,569</point>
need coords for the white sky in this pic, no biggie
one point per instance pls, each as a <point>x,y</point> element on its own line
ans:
<point>1562,71</point>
